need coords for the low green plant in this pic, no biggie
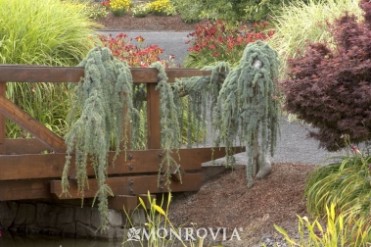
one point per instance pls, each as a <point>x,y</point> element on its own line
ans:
<point>157,218</point>
<point>91,8</point>
<point>338,231</point>
<point>189,10</point>
<point>140,10</point>
<point>300,23</point>
<point>95,11</point>
<point>44,32</point>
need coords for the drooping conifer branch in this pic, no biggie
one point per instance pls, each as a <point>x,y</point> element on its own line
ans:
<point>202,93</point>
<point>102,109</point>
<point>169,120</point>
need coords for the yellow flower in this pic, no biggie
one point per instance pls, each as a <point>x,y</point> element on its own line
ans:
<point>120,5</point>
<point>162,7</point>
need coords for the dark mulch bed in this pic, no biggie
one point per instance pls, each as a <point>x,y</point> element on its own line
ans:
<point>148,23</point>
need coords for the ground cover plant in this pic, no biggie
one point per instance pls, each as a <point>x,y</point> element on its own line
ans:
<point>44,32</point>
<point>213,41</point>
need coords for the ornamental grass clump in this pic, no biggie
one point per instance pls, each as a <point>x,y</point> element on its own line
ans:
<point>98,122</point>
<point>348,185</point>
<point>339,230</point>
<point>44,32</point>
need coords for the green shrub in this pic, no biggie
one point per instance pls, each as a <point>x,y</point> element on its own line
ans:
<point>91,8</point>
<point>299,24</point>
<point>156,214</point>
<point>189,10</point>
<point>231,10</point>
<point>46,32</point>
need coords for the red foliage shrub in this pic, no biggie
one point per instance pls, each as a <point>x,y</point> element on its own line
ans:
<point>214,41</point>
<point>136,55</point>
<point>331,88</point>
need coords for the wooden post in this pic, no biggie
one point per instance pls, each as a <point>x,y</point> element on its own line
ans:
<point>153,117</point>
<point>2,121</point>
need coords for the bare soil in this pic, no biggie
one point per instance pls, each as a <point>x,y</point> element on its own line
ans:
<point>226,201</point>
<point>148,23</point>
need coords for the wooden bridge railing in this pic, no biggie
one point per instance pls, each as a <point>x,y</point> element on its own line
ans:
<point>28,173</point>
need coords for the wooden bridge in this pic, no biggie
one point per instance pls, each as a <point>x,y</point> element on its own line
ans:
<point>30,169</point>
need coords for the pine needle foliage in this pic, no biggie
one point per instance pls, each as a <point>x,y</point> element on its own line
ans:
<point>247,108</point>
<point>101,113</point>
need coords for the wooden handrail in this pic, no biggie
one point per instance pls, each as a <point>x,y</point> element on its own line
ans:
<point>39,73</point>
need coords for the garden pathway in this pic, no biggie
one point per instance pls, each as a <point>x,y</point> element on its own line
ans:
<point>293,145</point>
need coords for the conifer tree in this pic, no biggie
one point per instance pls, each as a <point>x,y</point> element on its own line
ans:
<point>247,108</point>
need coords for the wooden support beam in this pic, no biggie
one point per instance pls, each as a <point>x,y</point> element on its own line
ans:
<point>13,112</point>
<point>24,146</point>
<point>133,185</point>
<point>123,203</point>
<point>2,121</point>
<point>153,117</point>
<point>24,190</point>
<point>37,166</point>
<point>128,203</point>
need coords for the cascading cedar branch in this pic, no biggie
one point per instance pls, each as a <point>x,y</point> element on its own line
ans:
<point>243,101</point>
<point>102,110</point>
<point>170,128</point>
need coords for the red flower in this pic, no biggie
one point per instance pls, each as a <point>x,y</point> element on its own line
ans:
<point>139,39</point>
